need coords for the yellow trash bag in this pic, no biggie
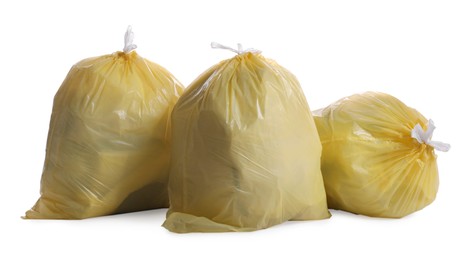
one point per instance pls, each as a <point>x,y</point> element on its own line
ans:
<point>108,147</point>
<point>243,150</point>
<point>378,157</point>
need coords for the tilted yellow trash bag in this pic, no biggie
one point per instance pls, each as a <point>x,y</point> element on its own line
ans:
<point>108,145</point>
<point>243,150</point>
<point>378,158</point>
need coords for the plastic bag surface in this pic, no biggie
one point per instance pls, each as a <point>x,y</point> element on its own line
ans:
<point>108,145</point>
<point>371,164</point>
<point>243,151</point>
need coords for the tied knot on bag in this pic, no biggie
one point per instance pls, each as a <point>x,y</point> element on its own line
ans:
<point>425,137</point>
<point>239,49</point>
<point>128,40</point>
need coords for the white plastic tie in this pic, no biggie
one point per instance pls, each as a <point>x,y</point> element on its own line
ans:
<point>128,39</point>
<point>425,137</point>
<point>239,50</point>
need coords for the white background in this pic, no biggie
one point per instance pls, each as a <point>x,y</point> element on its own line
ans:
<point>419,51</point>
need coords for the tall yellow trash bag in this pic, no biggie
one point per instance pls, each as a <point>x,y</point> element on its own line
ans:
<point>378,157</point>
<point>243,150</point>
<point>108,147</point>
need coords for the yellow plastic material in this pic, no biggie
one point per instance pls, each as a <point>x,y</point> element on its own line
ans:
<point>243,151</point>
<point>370,163</point>
<point>108,147</point>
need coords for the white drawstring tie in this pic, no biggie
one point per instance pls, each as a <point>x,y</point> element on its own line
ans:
<point>425,137</point>
<point>128,39</point>
<point>239,50</point>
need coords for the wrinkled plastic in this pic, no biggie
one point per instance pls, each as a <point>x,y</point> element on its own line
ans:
<point>243,151</point>
<point>108,145</point>
<point>371,165</point>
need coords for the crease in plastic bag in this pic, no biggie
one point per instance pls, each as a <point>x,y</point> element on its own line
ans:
<point>243,150</point>
<point>378,158</point>
<point>108,147</point>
